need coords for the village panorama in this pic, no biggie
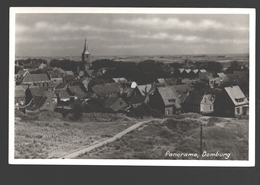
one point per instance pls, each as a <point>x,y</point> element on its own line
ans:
<point>132,107</point>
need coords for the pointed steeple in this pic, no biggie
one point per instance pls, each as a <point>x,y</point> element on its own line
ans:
<point>85,45</point>
<point>85,54</point>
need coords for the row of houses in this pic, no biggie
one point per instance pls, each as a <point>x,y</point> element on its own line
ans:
<point>59,89</point>
<point>169,100</point>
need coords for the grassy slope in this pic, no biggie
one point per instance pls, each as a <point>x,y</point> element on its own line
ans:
<point>47,136</point>
<point>179,134</point>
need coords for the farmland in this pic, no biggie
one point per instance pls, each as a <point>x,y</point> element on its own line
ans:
<point>179,134</point>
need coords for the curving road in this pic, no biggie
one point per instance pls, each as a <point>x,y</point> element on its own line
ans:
<point>120,134</point>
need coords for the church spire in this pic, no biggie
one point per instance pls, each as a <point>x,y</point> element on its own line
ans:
<point>85,54</point>
<point>85,45</point>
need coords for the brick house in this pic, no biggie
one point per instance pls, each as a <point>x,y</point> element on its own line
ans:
<point>115,103</point>
<point>166,100</point>
<point>208,78</point>
<point>231,102</point>
<point>39,98</point>
<point>107,90</point>
<point>40,80</point>
<point>19,96</point>
<point>196,102</point>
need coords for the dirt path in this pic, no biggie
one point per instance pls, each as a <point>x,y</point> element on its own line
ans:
<point>119,135</point>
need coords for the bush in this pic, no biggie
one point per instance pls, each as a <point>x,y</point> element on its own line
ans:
<point>49,115</point>
<point>96,105</point>
<point>29,116</point>
<point>144,111</point>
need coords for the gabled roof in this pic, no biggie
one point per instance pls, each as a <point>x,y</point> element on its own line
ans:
<point>19,91</point>
<point>138,99</point>
<point>128,91</point>
<point>53,74</point>
<point>63,94</point>
<point>144,89</point>
<point>234,92</point>
<point>76,91</point>
<point>188,70</point>
<point>169,96</point>
<point>203,70</point>
<point>49,94</point>
<point>110,101</point>
<point>61,86</point>
<point>42,65</point>
<point>38,102</point>
<point>195,71</point>
<point>170,81</point>
<point>89,94</point>
<point>41,91</point>
<point>37,91</point>
<point>89,72</point>
<point>183,96</point>
<point>21,72</point>
<point>221,75</point>
<point>122,79</point>
<point>181,70</point>
<point>207,75</point>
<point>161,80</point>
<point>35,78</point>
<point>104,90</point>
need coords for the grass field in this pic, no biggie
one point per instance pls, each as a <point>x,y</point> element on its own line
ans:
<point>47,135</point>
<point>180,134</point>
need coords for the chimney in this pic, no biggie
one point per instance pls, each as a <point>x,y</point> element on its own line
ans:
<point>121,91</point>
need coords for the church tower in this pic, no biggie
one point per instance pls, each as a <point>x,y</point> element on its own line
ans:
<point>86,55</point>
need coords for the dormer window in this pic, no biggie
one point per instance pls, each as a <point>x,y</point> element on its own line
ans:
<point>171,100</point>
<point>239,99</point>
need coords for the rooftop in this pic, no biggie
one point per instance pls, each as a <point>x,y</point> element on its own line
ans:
<point>36,78</point>
<point>169,96</point>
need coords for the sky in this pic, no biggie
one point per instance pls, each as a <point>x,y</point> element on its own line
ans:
<point>60,34</point>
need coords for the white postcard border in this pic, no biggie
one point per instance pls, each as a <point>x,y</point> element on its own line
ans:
<point>217,163</point>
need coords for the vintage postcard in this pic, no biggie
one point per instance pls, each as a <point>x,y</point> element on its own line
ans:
<point>132,86</point>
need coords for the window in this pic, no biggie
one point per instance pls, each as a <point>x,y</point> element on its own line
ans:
<point>167,112</point>
<point>238,110</point>
<point>210,107</point>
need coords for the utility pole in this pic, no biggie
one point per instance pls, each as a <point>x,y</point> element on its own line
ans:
<point>200,139</point>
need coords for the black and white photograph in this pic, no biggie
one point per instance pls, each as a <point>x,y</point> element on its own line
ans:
<point>132,86</point>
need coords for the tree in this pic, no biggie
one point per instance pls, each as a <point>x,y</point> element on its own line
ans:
<point>214,66</point>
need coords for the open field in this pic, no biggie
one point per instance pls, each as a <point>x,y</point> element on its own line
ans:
<point>179,134</point>
<point>158,58</point>
<point>40,136</point>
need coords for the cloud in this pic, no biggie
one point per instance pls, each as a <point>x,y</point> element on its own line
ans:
<point>175,23</point>
<point>135,33</point>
